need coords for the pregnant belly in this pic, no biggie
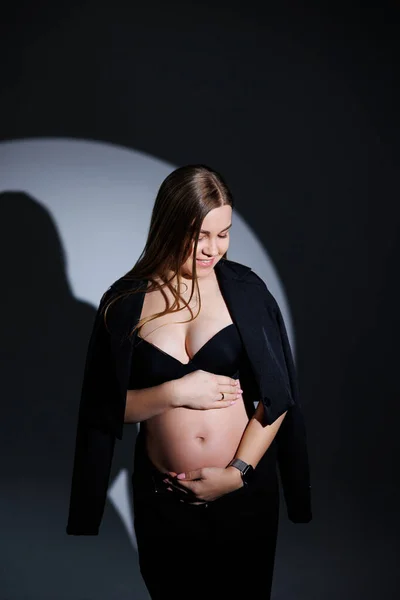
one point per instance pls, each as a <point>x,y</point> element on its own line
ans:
<point>182,439</point>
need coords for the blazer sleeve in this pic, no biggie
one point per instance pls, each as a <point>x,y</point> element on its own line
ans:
<point>95,441</point>
<point>292,453</point>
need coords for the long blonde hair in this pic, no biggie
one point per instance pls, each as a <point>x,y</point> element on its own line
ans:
<point>183,200</point>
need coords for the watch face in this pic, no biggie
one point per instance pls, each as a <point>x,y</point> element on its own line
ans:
<point>248,474</point>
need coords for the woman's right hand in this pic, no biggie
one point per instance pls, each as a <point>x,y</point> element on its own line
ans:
<point>201,390</point>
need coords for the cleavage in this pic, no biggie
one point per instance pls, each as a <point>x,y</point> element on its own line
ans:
<point>200,349</point>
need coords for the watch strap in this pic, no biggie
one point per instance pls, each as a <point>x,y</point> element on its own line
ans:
<point>239,464</point>
<point>246,470</point>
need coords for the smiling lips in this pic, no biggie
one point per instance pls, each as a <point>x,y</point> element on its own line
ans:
<point>206,263</point>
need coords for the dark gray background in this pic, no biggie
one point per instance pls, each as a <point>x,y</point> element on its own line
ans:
<point>297,106</point>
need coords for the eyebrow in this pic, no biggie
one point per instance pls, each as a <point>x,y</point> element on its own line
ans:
<point>204,231</point>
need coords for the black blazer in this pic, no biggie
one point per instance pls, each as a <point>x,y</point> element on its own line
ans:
<point>270,378</point>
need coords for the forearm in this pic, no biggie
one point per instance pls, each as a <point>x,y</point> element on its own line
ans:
<point>257,438</point>
<point>145,403</point>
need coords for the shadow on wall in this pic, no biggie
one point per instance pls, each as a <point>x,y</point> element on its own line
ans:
<point>45,332</point>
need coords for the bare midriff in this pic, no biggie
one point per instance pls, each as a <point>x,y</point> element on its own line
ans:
<point>182,439</point>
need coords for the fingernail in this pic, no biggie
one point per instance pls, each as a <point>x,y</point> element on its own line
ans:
<point>233,402</point>
<point>181,476</point>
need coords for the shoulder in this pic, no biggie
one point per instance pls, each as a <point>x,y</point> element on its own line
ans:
<point>119,294</point>
<point>269,298</point>
<point>118,306</point>
<point>250,277</point>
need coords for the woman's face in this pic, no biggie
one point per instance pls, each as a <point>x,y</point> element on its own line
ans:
<point>213,242</point>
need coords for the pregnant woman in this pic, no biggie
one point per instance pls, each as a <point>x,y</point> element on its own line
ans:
<point>206,343</point>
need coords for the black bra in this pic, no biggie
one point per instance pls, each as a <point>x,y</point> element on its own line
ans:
<point>151,365</point>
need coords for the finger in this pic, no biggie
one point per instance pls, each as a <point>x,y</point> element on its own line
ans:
<point>230,391</point>
<point>228,402</point>
<point>228,382</point>
<point>234,392</point>
<point>229,386</point>
<point>224,403</point>
<point>190,475</point>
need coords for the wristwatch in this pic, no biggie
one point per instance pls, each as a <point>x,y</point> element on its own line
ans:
<point>246,471</point>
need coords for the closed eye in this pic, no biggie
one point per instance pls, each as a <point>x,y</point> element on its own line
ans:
<point>220,236</point>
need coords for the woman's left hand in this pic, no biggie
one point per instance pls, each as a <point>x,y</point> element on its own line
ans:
<point>208,483</point>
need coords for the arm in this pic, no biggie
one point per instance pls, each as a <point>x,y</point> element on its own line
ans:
<point>148,402</point>
<point>256,439</point>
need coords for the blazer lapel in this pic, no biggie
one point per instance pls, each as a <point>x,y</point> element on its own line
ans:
<point>246,302</point>
<point>245,309</point>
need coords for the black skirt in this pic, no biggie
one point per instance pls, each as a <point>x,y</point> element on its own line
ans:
<point>222,548</point>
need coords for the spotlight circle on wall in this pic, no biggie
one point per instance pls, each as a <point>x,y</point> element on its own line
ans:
<point>100,196</point>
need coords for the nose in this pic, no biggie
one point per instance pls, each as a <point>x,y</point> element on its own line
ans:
<point>212,248</point>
